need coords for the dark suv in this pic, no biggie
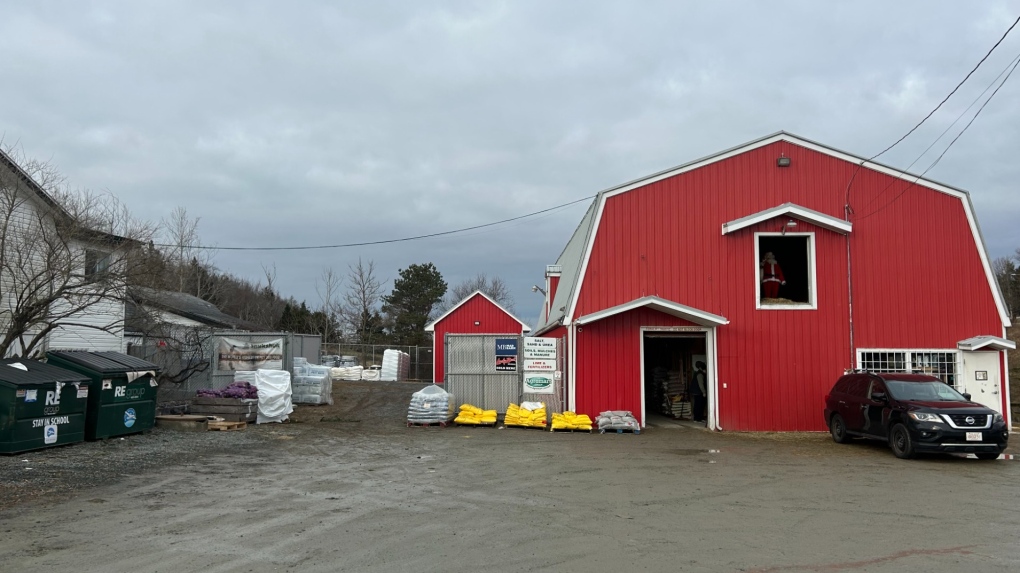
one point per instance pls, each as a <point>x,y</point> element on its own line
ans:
<point>913,413</point>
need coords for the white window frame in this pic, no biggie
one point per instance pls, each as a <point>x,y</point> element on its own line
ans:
<point>908,363</point>
<point>812,303</point>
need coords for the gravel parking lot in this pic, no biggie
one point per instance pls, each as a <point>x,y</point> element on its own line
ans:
<point>350,488</point>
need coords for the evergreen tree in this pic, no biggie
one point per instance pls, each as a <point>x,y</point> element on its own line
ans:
<point>408,308</point>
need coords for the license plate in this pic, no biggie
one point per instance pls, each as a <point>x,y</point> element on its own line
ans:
<point>973,436</point>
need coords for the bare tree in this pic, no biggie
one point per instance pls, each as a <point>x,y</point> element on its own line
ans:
<point>360,305</point>
<point>64,256</point>
<point>494,287</point>
<point>326,321</point>
<point>189,266</point>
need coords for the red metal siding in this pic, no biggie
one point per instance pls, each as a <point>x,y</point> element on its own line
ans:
<point>918,280</point>
<point>491,318</point>
<point>609,361</point>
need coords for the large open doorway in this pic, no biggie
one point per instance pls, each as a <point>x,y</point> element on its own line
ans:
<point>673,364</point>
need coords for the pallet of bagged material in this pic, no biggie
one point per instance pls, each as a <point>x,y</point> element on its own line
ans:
<point>226,426</point>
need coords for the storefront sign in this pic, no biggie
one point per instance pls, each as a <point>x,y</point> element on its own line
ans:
<point>538,383</point>
<point>540,348</point>
<point>539,365</point>
<point>506,355</point>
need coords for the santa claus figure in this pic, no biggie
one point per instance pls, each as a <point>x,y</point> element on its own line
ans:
<point>771,276</point>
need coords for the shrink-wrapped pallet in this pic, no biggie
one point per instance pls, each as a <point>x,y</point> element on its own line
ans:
<point>430,405</point>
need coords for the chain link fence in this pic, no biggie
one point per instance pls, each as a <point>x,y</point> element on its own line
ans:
<point>368,355</point>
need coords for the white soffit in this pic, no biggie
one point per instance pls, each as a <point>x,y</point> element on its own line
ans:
<point>678,310</point>
<point>986,343</point>
<point>790,210</point>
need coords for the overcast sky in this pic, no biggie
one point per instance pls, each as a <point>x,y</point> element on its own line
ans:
<point>320,122</point>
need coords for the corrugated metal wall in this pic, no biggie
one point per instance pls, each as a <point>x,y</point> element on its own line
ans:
<point>472,377</point>
<point>918,281</point>
<point>609,361</point>
<point>491,320</point>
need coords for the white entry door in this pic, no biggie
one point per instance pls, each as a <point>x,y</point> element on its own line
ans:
<point>981,378</point>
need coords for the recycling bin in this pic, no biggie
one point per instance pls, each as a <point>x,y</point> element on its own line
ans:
<point>123,396</point>
<point>41,405</point>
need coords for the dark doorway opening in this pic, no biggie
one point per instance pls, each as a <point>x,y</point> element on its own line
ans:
<point>670,367</point>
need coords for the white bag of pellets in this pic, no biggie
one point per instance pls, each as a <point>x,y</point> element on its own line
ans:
<point>274,396</point>
<point>430,405</point>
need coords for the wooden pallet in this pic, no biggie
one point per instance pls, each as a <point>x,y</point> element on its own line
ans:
<point>427,424</point>
<point>571,430</point>
<point>226,426</point>
<point>526,427</point>
<point>485,425</point>
<point>619,431</point>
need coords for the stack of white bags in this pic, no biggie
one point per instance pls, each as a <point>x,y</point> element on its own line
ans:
<point>312,384</point>
<point>430,405</point>
<point>349,373</point>
<point>396,365</point>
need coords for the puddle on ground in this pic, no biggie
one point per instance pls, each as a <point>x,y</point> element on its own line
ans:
<point>693,451</point>
<point>1012,457</point>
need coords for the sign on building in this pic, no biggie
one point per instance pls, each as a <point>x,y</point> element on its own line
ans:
<point>506,355</point>
<point>539,365</point>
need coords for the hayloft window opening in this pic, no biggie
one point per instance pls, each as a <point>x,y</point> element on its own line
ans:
<point>938,363</point>
<point>786,277</point>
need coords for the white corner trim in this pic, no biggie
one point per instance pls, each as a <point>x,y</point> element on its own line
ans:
<point>789,209</point>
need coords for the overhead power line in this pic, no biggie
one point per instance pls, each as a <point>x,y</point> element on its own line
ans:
<point>931,113</point>
<point>1014,62</point>
<point>382,242</point>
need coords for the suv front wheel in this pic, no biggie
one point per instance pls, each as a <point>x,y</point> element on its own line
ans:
<point>901,443</point>
<point>837,427</point>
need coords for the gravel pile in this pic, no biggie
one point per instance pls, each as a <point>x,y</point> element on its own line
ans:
<point>54,473</point>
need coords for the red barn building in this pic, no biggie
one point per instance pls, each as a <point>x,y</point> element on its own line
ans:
<point>871,267</point>
<point>476,314</point>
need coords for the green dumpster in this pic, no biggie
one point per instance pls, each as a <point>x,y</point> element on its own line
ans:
<point>123,397</point>
<point>41,405</point>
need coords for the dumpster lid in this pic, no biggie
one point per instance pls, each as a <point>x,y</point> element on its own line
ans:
<point>24,372</point>
<point>104,362</point>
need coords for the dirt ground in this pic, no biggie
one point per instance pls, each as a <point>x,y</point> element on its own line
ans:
<point>350,488</point>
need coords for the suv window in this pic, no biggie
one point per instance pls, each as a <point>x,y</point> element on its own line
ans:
<point>842,384</point>
<point>858,387</point>
<point>877,386</point>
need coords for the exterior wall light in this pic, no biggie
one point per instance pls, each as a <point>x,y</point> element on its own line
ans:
<point>783,161</point>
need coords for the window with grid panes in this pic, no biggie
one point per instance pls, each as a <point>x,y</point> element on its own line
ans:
<point>941,364</point>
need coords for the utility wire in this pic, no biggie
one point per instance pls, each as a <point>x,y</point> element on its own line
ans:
<point>383,242</point>
<point>1004,71</point>
<point>932,112</point>
<point>944,100</point>
<point>1015,62</point>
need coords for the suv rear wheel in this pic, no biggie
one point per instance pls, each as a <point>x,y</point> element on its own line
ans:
<point>901,443</point>
<point>837,427</point>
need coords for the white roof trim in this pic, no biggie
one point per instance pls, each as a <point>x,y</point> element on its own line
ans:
<point>790,209</point>
<point>986,342</point>
<point>963,196</point>
<point>662,305</point>
<point>432,326</point>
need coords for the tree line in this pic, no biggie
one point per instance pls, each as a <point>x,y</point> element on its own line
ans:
<point>1007,273</point>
